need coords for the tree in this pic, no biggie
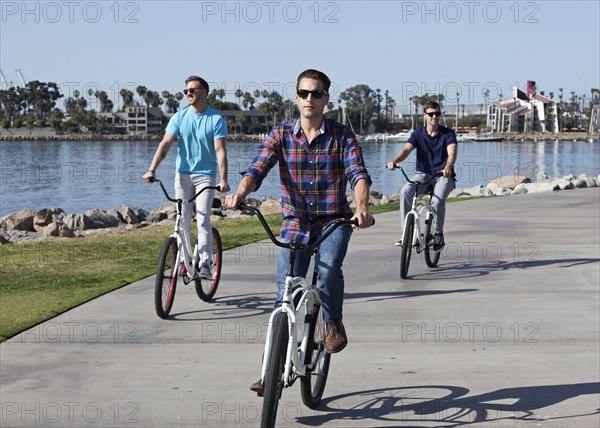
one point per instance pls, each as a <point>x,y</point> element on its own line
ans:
<point>141,91</point>
<point>238,95</point>
<point>127,97</point>
<point>106,105</point>
<point>361,103</point>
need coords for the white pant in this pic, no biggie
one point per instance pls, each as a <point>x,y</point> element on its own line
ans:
<point>186,186</point>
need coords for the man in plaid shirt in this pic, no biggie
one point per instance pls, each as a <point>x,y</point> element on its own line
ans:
<point>317,158</point>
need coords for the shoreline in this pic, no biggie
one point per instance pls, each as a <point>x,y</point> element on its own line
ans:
<point>46,135</point>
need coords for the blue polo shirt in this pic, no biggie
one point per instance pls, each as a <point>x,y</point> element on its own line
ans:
<point>432,151</point>
<point>197,133</point>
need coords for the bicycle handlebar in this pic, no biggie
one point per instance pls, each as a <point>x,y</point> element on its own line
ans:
<point>154,179</point>
<point>291,245</point>
<point>398,166</point>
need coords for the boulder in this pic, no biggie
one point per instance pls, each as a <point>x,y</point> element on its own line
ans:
<point>542,187</point>
<point>508,182</point>
<point>590,181</point>
<point>98,219</point>
<point>580,184</point>
<point>162,212</point>
<point>18,220</point>
<point>128,214</point>
<point>520,189</point>
<point>57,229</point>
<point>46,216</point>
<point>270,206</point>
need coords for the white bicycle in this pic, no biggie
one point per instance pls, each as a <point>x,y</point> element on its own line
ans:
<point>417,227</point>
<point>177,260</point>
<point>288,356</point>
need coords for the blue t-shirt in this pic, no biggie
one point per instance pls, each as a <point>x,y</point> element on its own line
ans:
<point>197,133</point>
<point>432,151</point>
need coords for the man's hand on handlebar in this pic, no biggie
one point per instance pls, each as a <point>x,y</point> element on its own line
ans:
<point>148,176</point>
<point>392,165</point>
<point>365,219</point>
<point>233,200</point>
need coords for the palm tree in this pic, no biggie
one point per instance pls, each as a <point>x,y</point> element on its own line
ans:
<point>127,97</point>
<point>141,91</point>
<point>238,95</point>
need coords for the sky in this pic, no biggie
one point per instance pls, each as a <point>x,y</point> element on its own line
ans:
<point>405,47</point>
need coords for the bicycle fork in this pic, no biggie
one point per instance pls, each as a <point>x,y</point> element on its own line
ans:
<point>294,361</point>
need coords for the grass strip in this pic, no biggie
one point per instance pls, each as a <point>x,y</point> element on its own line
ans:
<point>42,279</point>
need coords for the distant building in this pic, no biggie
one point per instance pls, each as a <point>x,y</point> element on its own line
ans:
<point>151,120</point>
<point>524,112</point>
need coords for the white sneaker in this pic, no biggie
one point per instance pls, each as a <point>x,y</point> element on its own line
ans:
<point>205,272</point>
<point>399,243</point>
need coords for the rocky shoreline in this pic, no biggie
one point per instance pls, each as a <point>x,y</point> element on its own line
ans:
<point>49,223</point>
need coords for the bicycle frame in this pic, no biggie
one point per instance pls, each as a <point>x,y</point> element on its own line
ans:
<point>420,207</point>
<point>309,295</point>
<point>184,245</point>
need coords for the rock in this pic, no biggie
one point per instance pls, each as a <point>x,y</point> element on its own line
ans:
<point>590,181</point>
<point>508,182</point>
<point>520,189</point>
<point>564,184</point>
<point>46,216</point>
<point>542,176</point>
<point>375,194</point>
<point>270,206</point>
<point>580,184</point>
<point>128,214</point>
<point>162,212</point>
<point>73,221</point>
<point>58,230</point>
<point>542,187</point>
<point>18,220</point>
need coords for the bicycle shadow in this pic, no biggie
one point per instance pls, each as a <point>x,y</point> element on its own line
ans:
<point>475,268</point>
<point>230,307</point>
<point>431,404</point>
<point>402,294</point>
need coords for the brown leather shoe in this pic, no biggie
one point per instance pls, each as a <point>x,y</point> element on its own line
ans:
<point>258,387</point>
<point>336,339</point>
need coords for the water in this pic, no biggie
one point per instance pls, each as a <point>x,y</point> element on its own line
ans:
<point>77,176</point>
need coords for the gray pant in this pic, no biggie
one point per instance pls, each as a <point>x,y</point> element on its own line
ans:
<point>186,186</point>
<point>442,188</point>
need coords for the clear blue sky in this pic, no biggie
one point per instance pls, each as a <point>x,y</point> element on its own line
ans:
<point>406,47</point>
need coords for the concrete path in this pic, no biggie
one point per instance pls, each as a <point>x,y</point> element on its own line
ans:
<point>504,333</point>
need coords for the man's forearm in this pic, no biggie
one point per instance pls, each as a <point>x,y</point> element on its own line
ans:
<point>361,195</point>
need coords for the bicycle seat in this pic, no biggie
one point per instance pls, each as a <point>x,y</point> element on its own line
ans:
<point>428,191</point>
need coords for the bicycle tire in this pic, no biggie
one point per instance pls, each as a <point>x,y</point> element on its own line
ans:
<point>166,278</point>
<point>207,287</point>
<point>431,257</point>
<point>407,238</point>
<point>274,374</point>
<point>313,384</point>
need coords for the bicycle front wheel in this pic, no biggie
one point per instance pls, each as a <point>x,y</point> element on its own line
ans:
<point>407,239</point>
<point>313,384</point>
<point>273,380</point>
<point>166,278</point>
<point>431,257</point>
<point>207,287</point>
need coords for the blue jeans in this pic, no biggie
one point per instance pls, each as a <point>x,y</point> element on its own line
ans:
<point>329,259</point>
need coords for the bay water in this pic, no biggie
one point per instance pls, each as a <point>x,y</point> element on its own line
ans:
<point>80,175</point>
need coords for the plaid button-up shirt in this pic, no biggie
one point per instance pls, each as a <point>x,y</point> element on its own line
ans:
<point>313,176</point>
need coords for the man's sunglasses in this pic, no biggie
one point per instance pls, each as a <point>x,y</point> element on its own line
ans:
<point>303,93</point>
<point>434,113</point>
<point>191,90</point>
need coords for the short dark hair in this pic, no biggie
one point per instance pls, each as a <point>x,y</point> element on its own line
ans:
<point>431,104</point>
<point>198,79</point>
<point>316,75</point>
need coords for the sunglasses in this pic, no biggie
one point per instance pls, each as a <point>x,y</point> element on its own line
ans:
<point>303,93</point>
<point>434,113</point>
<point>191,90</point>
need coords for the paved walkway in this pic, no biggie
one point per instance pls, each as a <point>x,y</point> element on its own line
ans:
<point>504,333</point>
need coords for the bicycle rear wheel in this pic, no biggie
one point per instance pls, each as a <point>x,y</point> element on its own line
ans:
<point>313,384</point>
<point>207,287</point>
<point>407,238</point>
<point>273,380</point>
<point>166,278</point>
<point>431,257</point>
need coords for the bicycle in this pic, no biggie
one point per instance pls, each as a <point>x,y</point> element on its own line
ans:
<point>177,260</point>
<point>286,356</point>
<point>419,219</point>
